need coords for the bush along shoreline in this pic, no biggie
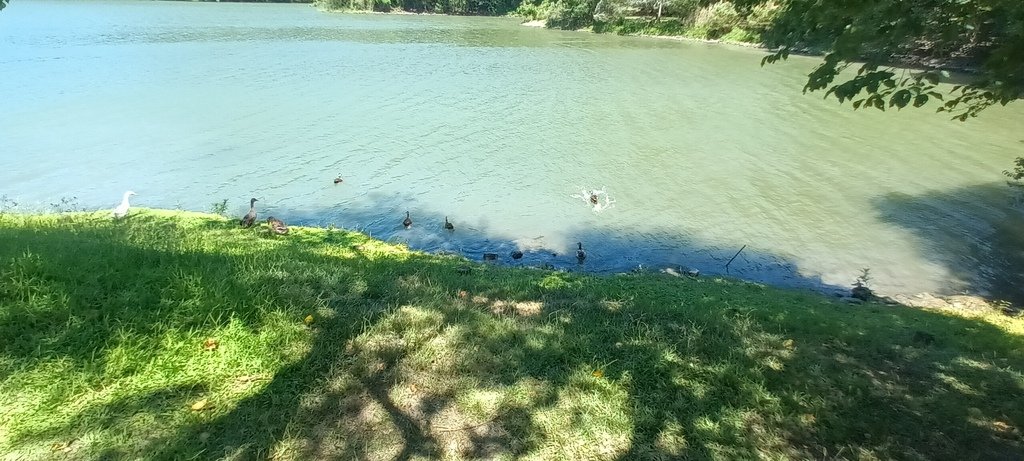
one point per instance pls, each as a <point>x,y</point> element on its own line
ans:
<point>173,335</point>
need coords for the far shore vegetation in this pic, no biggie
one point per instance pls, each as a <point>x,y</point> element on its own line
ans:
<point>178,335</point>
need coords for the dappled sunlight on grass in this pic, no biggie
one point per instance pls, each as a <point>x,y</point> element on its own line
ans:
<point>177,335</point>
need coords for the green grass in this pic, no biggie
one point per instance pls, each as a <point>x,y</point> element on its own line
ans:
<point>103,325</point>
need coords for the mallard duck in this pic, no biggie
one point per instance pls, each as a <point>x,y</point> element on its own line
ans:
<point>277,226</point>
<point>594,199</point>
<point>250,218</point>
<point>580,254</point>
<point>448,225</point>
<point>338,180</point>
<point>122,209</point>
<point>516,254</point>
<point>407,222</point>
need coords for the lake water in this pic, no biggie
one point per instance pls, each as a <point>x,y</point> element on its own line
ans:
<point>496,125</point>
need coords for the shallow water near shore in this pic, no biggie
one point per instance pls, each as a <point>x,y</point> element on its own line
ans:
<point>495,126</point>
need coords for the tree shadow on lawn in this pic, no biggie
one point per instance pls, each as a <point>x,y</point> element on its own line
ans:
<point>974,232</point>
<point>411,358</point>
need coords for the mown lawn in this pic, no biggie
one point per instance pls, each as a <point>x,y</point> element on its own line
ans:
<point>174,335</point>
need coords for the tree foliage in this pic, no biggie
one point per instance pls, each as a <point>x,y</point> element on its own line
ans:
<point>981,36</point>
<point>457,7</point>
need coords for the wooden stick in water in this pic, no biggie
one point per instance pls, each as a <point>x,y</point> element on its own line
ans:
<point>733,257</point>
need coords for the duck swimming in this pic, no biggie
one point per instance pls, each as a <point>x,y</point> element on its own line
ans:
<point>448,225</point>
<point>516,254</point>
<point>592,197</point>
<point>407,222</point>
<point>122,209</point>
<point>250,218</point>
<point>277,226</point>
<point>580,254</point>
<point>338,180</point>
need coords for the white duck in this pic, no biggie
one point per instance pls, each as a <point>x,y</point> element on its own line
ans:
<point>122,209</point>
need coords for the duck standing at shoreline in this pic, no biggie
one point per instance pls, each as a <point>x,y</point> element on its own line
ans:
<point>250,218</point>
<point>122,209</point>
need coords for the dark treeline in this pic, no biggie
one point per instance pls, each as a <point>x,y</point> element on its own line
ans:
<point>254,1</point>
<point>456,7</point>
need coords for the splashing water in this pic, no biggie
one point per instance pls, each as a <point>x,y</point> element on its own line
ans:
<point>592,197</point>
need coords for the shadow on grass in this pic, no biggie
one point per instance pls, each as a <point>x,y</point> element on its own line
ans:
<point>411,357</point>
<point>973,231</point>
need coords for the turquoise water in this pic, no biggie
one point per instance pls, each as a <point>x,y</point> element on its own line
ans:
<point>496,125</point>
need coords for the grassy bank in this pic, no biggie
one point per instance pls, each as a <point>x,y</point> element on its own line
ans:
<point>175,335</point>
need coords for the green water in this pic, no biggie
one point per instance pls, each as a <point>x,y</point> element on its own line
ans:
<point>496,126</point>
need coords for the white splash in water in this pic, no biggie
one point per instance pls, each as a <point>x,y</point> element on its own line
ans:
<point>593,197</point>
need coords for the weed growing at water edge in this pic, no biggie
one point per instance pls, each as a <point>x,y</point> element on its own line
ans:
<point>1017,180</point>
<point>863,279</point>
<point>220,208</point>
<point>66,205</point>
<point>860,285</point>
<point>7,204</point>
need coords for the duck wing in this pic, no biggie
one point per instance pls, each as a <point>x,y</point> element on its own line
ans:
<point>248,220</point>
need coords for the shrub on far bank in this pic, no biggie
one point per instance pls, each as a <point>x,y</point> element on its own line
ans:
<point>572,15</point>
<point>716,20</point>
<point>762,16</point>
<point>534,10</point>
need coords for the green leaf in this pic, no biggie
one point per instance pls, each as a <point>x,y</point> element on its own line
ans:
<point>900,99</point>
<point>920,100</point>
